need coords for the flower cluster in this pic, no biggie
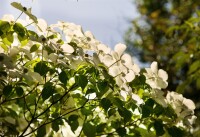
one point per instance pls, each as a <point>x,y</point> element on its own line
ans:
<point>79,83</point>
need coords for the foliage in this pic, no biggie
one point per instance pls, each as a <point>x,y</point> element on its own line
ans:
<point>168,32</point>
<point>58,80</point>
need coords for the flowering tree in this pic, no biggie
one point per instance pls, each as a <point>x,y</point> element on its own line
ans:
<point>58,80</point>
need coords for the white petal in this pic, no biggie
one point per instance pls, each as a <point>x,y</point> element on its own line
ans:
<point>154,67</point>
<point>103,48</point>
<point>138,100</point>
<point>127,60</point>
<point>123,94</point>
<point>114,71</point>
<point>130,76</point>
<point>163,74</point>
<point>120,48</point>
<point>189,103</point>
<point>42,24</point>
<point>107,60</point>
<point>191,119</point>
<point>160,83</point>
<point>89,34</point>
<point>136,68</point>
<point>67,48</point>
<point>16,41</point>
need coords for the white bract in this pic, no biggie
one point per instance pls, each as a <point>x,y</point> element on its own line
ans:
<point>156,78</point>
<point>184,108</point>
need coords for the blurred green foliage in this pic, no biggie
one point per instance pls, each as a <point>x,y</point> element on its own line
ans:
<point>168,31</point>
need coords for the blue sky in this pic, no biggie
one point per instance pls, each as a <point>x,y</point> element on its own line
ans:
<point>106,19</point>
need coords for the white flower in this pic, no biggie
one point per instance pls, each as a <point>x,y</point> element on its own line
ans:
<point>156,78</point>
<point>184,108</point>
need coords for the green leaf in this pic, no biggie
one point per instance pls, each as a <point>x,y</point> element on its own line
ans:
<point>86,111</point>
<point>121,131</point>
<point>89,91</point>
<point>4,26</point>
<point>111,112</point>
<point>63,77</point>
<point>158,126</point>
<point>41,132</point>
<point>126,114</point>
<point>116,124</point>
<point>41,68</point>
<point>73,122</point>
<point>19,91</point>
<point>89,130</point>
<point>7,90</point>
<point>175,132</point>
<point>100,128</point>
<point>169,112</point>
<point>7,38</point>
<point>31,99</point>
<point>82,81</point>
<point>117,102</point>
<point>48,91</point>
<point>105,103</point>
<point>34,48</point>
<point>56,124</point>
<point>19,29</point>
<point>194,67</point>
<point>102,87</point>
<point>147,108</point>
<point>25,10</point>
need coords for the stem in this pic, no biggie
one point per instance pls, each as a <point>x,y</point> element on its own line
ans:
<point>53,103</point>
<point>18,17</point>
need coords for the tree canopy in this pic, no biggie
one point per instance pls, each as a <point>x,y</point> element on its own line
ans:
<point>57,80</point>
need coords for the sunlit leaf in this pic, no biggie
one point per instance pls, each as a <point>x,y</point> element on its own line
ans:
<point>34,48</point>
